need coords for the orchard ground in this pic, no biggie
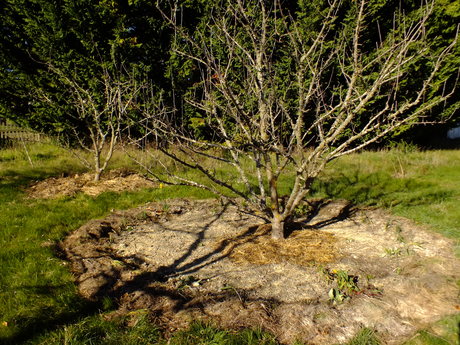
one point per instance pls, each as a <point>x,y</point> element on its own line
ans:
<point>352,267</point>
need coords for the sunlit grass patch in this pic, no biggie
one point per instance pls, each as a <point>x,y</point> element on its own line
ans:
<point>444,332</point>
<point>200,334</point>
<point>137,330</point>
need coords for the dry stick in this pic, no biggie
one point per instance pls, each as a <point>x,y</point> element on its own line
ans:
<point>27,152</point>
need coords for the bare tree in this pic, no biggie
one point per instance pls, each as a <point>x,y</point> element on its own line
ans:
<point>99,112</point>
<point>283,96</point>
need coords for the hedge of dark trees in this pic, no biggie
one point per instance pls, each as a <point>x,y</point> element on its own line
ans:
<point>49,48</point>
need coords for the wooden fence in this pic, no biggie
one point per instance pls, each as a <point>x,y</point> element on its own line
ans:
<point>12,132</point>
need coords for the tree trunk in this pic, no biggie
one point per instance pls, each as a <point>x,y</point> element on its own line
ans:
<point>97,175</point>
<point>277,227</point>
<point>97,163</point>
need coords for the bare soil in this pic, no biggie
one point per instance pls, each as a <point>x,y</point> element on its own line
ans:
<point>187,260</point>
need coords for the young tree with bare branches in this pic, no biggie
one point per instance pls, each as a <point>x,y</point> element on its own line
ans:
<point>99,112</point>
<point>281,94</point>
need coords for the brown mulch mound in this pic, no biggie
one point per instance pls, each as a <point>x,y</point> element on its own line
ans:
<point>112,181</point>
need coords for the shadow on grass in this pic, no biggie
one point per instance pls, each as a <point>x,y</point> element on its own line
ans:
<point>38,309</point>
<point>14,180</point>
<point>380,189</point>
<point>48,321</point>
<point>458,332</point>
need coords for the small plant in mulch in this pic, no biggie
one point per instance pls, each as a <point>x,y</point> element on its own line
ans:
<point>347,286</point>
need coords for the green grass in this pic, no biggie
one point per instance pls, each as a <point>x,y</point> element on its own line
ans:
<point>199,334</point>
<point>444,332</point>
<point>137,330</point>
<point>365,336</point>
<point>39,303</point>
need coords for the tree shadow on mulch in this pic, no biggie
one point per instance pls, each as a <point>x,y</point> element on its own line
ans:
<point>101,272</point>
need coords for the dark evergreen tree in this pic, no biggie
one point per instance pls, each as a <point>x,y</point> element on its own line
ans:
<point>73,69</point>
<point>83,40</point>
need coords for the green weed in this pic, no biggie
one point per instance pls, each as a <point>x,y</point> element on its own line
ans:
<point>346,285</point>
<point>365,337</point>
<point>393,251</point>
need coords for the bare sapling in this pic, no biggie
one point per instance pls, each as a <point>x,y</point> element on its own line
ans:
<point>98,114</point>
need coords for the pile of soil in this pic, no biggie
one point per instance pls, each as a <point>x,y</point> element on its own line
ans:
<point>341,270</point>
<point>118,180</point>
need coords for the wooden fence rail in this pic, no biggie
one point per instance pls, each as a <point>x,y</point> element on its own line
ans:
<point>11,132</point>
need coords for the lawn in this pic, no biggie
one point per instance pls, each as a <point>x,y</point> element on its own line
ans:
<point>38,300</point>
